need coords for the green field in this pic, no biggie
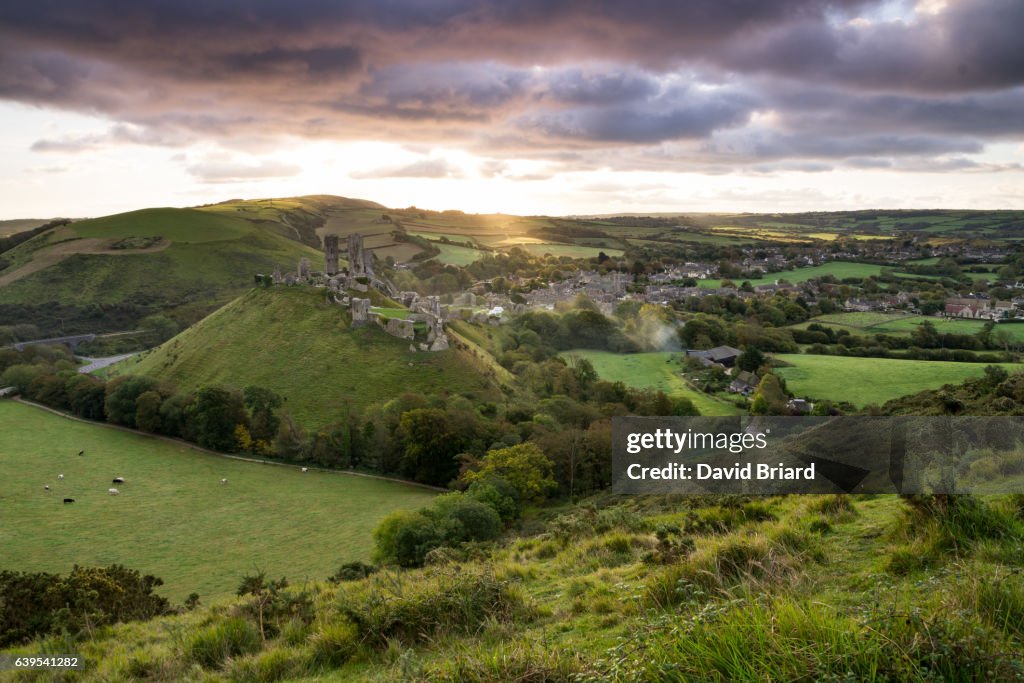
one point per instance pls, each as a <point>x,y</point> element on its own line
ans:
<point>173,519</point>
<point>902,324</point>
<point>313,358</point>
<point>570,250</point>
<point>455,255</point>
<point>652,370</point>
<point>838,269</point>
<point>862,381</point>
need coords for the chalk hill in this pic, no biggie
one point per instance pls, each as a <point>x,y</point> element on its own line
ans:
<point>294,341</point>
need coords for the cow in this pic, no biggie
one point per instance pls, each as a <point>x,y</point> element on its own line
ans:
<point>81,452</point>
<point>118,480</point>
<point>60,476</point>
<point>69,500</point>
<point>305,469</point>
<point>113,492</point>
<point>46,487</point>
<point>223,481</point>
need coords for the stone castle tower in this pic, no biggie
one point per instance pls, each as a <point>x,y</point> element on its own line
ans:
<point>360,259</point>
<point>331,255</point>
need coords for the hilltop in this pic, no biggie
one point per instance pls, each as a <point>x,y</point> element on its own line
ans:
<point>296,342</point>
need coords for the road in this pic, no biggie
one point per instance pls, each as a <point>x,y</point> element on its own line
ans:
<point>95,364</point>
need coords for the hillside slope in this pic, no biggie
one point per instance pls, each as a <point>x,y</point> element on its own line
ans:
<point>295,342</point>
<point>108,273</point>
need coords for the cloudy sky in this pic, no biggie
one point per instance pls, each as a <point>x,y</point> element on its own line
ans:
<point>531,106</point>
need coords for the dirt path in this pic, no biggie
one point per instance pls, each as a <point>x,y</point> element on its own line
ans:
<point>179,442</point>
<point>48,256</point>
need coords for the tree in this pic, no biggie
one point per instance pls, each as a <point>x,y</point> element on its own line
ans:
<point>769,399</point>
<point>404,538</point>
<point>262,404</point>
<point>751,359</point>
<point>122,395</point>
<point>147,411</point>
<point>213,414</point>
<point>430,446</point>
<point>524,466</point>
<point>86,395</point>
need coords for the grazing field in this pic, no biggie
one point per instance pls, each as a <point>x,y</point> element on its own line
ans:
<point>570,250</point>
<point>189,226</point>
<point>457,256</point>
<point>837,269</point>
<point>903,324</point>
<point>657,370</point>
<point>318,362</point>
<point>173,518</point>
<point>862,381</point>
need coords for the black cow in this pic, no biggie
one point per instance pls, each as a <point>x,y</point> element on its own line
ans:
<point>117,480</point>
<point>81,452</point>
<point>69,500</point>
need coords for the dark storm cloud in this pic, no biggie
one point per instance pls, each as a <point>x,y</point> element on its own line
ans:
<point>805,82</point>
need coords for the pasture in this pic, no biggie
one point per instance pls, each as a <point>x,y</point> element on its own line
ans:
<point>189,226</point>
<point>838,269</point>
<point>903,324</point>
<point>656,370</point>
<point>173,518</point>
<point>862,381</point>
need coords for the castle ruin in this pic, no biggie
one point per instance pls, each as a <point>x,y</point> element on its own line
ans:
<point>331,255</point>
<point>360,259</point>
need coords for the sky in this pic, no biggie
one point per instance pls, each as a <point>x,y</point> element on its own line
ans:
<point>527,107</point>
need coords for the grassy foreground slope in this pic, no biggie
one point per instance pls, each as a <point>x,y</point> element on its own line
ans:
<point>292,340</point>
<point>871,380</point>
<point>173,519</point>
<point>798,588</point>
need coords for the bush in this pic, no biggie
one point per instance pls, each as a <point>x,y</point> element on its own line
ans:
<point>233,637</point>
<point>405,538</point>
<point>445,601</point>
<point>334,644</point>
<point>352,571</point>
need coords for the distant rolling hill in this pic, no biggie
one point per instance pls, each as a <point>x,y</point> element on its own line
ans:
<point>108,273</point>
<point>292,340</point>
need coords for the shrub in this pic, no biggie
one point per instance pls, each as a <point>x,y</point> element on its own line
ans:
<point>352,571</point>
<point>334,644</point>
<point>233,637</point>
<point>445,600</point>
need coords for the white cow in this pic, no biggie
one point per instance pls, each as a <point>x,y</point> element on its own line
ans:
<point>113,492</point>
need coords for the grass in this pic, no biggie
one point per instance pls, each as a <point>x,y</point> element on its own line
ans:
<point>657,370</point>
<point>173,519</point>
<point>601,595</point>
<point>570,250</point>
<point>315,359</point>
<point>189,226</point>
<point>837,269</point>
<point>210,259</point>
<point>902,324</point>
<point>453,254</point>
<point>862,381</point>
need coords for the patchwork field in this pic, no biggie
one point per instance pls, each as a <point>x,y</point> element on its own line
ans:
<point>862,381</point>
<point>173,519</point>
<point>657,370</point>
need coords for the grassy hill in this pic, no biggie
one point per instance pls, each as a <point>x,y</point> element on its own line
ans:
<point>107,273</point>
<point>798,588</point>
<point>173,518</point>
<point>294,341</point>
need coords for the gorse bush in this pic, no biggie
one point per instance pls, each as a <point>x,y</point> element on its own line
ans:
<point>445,600</point>
<point>211,646</point>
